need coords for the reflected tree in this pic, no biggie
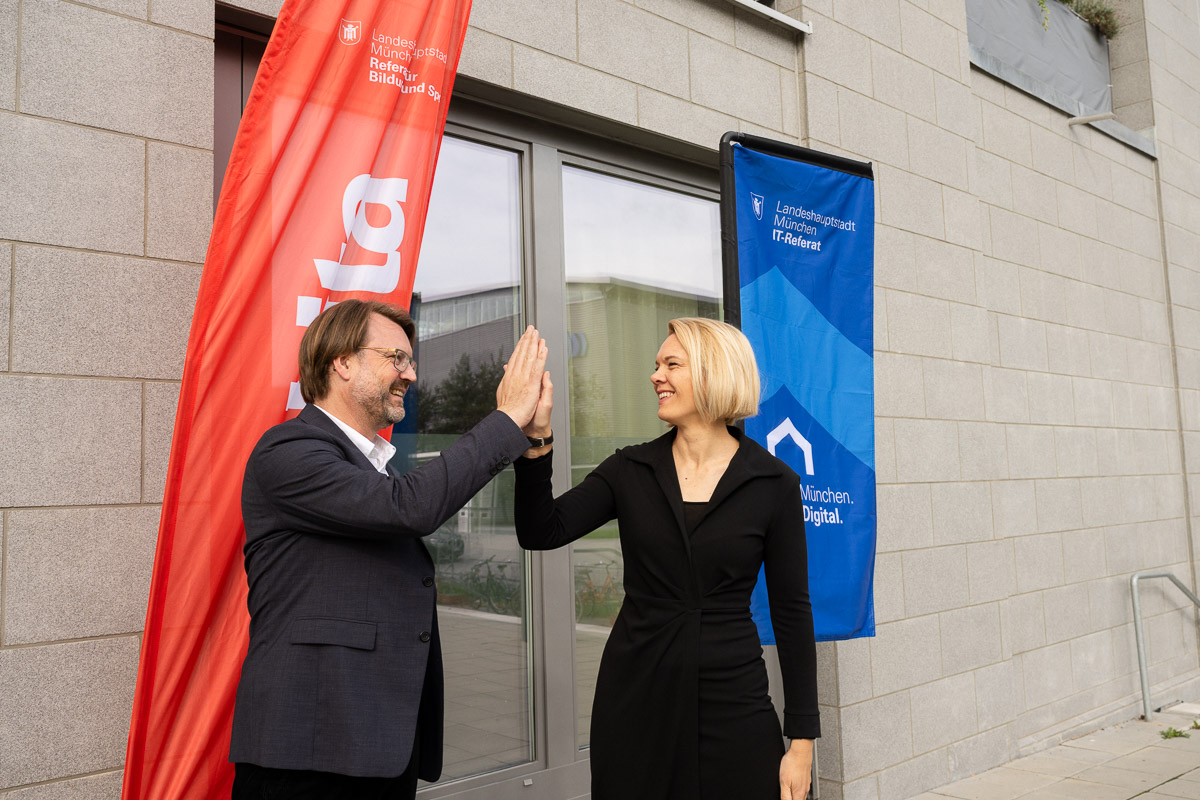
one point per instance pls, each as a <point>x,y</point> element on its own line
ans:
<point>467,395</point>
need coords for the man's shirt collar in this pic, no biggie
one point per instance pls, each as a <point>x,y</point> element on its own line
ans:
<point>379,452</point>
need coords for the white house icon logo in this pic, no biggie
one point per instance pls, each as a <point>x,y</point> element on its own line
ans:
<point>756,201</point>
<point>350,32</point>
<point>786,428</point>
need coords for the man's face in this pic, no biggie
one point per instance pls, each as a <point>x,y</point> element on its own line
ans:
<point>376,387</point>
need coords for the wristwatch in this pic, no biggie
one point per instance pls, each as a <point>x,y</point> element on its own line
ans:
<point>540,441</point>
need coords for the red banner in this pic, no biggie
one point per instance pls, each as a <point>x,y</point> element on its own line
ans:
<point>324,199</point>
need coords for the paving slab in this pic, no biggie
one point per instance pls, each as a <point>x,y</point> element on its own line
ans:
<point>1072,789</point>
<point>1001,783</point>
<point>1114,776</point>
<point>1186,708</point>
<point>1159,761</point>
<point>1120,740</point>
<point>1047,764</point>
<point>1118,763</point>
<point>1069,753</point>
<point>1192,743</point>
<point>1188,790</point>
<point>1187,786</point>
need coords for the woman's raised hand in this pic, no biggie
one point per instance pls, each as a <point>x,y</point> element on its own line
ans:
<point>521,387</point>
<point>539,426</point>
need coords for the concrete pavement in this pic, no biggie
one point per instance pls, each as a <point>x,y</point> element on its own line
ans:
<point>1117,763</point>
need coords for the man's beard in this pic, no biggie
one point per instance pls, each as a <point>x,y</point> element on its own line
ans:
<point>377,402</point>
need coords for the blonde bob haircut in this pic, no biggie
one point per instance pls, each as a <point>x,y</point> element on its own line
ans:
<point>725,381</point>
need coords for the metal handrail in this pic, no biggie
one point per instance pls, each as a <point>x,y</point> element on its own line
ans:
<point>1138,634</point>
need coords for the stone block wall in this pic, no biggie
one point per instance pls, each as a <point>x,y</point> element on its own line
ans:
<point>1173,41</point>
<point>687,69</point>
<point>106,164</point>
<point>1027,415</point>
<point>1129,60</point>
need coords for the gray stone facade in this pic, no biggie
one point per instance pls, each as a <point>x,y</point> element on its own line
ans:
<point>1037,329</point>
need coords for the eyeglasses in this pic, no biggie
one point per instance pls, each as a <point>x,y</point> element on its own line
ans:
<point>401,360</point>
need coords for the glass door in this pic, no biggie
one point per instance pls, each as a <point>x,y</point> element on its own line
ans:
<point>636,256</point>
<point>467,303</point>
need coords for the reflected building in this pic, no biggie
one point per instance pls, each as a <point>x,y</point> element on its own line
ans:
<point>478,324</point>
<point>611,399</point>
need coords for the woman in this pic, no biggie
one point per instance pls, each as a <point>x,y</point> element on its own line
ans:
<point>681,707</point>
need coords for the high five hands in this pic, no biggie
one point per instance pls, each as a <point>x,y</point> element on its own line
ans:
<point>525,392</point>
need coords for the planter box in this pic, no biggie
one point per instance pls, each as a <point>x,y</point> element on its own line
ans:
<point>1065,64</point>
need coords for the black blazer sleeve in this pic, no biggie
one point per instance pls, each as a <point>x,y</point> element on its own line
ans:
<point>304,481</point>
<point>786,563</point>
<point>543,522</point>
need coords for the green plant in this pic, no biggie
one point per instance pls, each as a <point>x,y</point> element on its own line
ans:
<point>1195,725</point>
<point>1171,733</point>
<point>1100,14</point>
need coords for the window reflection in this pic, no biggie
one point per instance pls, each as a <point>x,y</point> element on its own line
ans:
<point>466,303</point>
<point>636,257</point>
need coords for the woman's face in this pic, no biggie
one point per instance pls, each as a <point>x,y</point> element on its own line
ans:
<point>672,381</point>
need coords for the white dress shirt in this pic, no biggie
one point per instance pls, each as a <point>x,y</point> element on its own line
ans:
<point>378,452</point>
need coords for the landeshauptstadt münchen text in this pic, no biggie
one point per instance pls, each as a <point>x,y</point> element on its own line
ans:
<point>792,226</point>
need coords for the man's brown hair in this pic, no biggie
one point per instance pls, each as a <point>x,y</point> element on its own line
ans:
<point>338,331</point>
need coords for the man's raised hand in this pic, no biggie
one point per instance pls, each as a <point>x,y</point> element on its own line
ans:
<point>519,389</point>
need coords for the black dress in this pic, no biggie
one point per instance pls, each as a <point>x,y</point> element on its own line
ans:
<point>681,707</point>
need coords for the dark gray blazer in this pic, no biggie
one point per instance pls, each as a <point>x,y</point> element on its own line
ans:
<point>344,645</point>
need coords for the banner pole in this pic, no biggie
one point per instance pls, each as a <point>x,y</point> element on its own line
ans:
<point>731,283</point>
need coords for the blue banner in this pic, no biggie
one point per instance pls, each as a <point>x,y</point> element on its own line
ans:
<point>805,255</point>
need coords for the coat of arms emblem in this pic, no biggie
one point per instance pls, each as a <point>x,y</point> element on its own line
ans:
<point>349,32</point>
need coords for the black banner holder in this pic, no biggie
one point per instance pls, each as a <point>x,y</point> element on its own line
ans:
<point>729,252</point>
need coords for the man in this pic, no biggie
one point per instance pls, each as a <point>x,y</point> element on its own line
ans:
<point>341,689</point>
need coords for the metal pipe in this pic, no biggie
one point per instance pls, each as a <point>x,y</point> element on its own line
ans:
<point>772,14</point>
<point>1139,638</point>
<point>1091,118</point>
<point>1138,633</point>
